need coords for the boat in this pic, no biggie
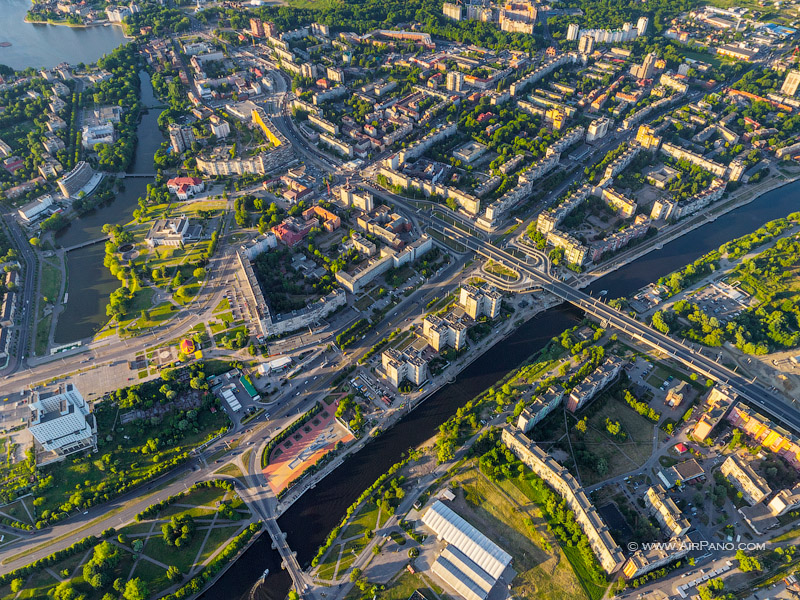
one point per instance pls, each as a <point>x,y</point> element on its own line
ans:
<point>5,44</point>
<point>603,292</point>
<point>265,574</point>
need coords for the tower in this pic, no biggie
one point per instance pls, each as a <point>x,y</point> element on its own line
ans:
<point>572,32</point>
<point>641,25</point>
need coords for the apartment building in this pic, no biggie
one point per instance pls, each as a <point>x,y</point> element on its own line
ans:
<point>608,553</point>
<point>752,486</point>
<point>594,383</point>
<point>574,251</point>
<point>480,301</point>
<point>443,332</point>
<point>537,410</point>
<point>623,160</point>
<point>401,366</point>
<point>718,404</point>
<point>646,560</point>
<point>663,508</point>
<point>361,199</point>
<point>785,501</point>
<point>624,206</point>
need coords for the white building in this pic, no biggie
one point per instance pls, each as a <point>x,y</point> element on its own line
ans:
<point>63,422</point>
<point>33,209</point>
<point>472,563</point>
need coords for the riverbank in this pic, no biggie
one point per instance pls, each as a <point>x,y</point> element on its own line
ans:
<point>30,21</point>
<point>741,197</point>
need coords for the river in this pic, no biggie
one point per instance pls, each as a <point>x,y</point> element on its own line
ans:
<point>48,45</point>
<point>89,282</point>
<point>308,521</point>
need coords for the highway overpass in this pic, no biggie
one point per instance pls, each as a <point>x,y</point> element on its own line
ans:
<point>762,399</point>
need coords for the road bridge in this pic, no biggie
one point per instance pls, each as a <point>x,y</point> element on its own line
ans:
<point>755,394</point>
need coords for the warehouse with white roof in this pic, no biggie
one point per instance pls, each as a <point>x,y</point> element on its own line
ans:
<point>471,563</point>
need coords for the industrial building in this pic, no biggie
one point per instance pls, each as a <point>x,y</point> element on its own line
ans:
<point>471,563</point>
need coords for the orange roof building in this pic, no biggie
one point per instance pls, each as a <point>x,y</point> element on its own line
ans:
<point>187,346</point>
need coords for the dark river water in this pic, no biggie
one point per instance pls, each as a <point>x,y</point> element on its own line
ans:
<point>89,282</point>
<point>308,521</point>
<point>48,45</point>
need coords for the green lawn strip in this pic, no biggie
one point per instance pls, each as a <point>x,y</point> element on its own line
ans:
<point>154,575</point>
<point>134,528</point>
<point>406,584</point>
<point>351,550</point>
<point>196,512</point>
<point>231,333</point>
<point>183,557</point>
<point>158,315</point>
<point>218,537</point>
<point>37,585</point>
<point>592,589</point>
<point>229,469</point>
<point>365,520</point>
<point>327,569</point>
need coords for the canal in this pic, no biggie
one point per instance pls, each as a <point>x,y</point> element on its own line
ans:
<point>308,521</point>
<point>89,282</point>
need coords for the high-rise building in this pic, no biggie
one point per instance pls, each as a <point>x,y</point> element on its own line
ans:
<point>792,82</point>
<point>452,11</point>
<point>586,44</point>
<point>181,138</point>
<point>646,69</point>
<point>572,32</point>
<point>455,81</point>
<point>641,25</point>
<point>257,27</point>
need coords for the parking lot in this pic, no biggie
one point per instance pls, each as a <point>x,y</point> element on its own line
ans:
<point>722,301</point>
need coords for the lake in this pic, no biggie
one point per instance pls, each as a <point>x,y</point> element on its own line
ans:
<point>48,45</point>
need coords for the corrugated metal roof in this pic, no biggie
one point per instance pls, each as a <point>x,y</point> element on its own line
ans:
<point>456,531</point>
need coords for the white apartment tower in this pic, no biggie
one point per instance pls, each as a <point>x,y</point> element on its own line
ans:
<point>586,44</point>
<point>572,32</point>
<point>455,81</point>
<point>641,25</point>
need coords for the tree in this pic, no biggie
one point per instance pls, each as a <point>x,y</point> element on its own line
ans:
<point>35,242</point>
<point>199,273</point>
<point>136,589</point>
<point>174,574</point>
<point>16,584</point>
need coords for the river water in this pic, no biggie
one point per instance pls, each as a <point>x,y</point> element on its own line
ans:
<point>308,521</point>
<point>48,45</point>
<point>89,282</point>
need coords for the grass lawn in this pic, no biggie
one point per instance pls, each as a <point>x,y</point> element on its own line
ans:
<point>86,472</point>
<point>155,576</point>
<point>327,569</point>
<point>542,572</point>
<point>183,558</point>
<point>186,293</point>
<point>157,315</point>
<point>366,519</point>
<point>204,496</point>
<point>217,538</point>
<point>622,456</point>
<point>198,512</point>
<point>231,333</point>
<point>401,587</point>
<point>496,268</point>
<point>134,528</point>
<point>36,586</point>
<point>229,469</point>
<point>223,306</point>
